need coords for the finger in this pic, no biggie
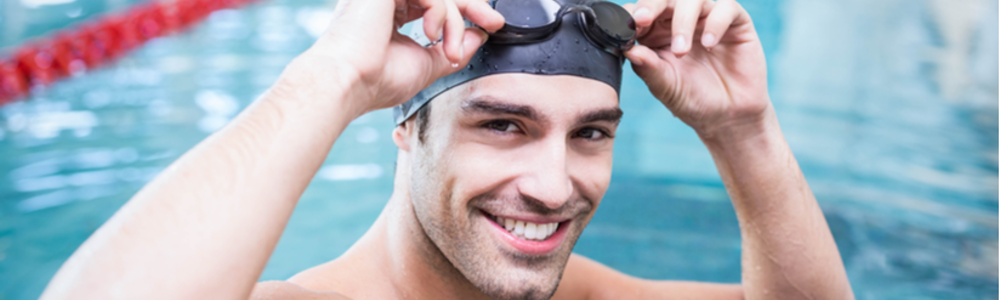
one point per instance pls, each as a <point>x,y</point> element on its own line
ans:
<point>630,8</point>
<point>441,65</point>
<point>646,11</point>
<point>454,31</point>
<point>727,13</point>
<point>407,13</point>
<point>643,59</point>
<point>657,72</point>
<point>685,18</point>
<point>434,18</point>
<point>481,13</point>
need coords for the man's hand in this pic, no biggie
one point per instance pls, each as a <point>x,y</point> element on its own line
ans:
<point>362,52</point>
<point>205,227</point>
<point>703,60</point>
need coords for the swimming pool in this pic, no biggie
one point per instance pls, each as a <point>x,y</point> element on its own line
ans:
<point>890,107</point>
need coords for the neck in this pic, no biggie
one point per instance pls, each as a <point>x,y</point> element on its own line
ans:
<point>402,257</point>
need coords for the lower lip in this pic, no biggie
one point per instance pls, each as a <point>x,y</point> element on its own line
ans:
<point>531,247</point>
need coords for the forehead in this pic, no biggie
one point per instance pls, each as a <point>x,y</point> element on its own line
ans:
<point>551,95</point>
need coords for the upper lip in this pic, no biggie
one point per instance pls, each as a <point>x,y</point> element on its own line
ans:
<point>530,218</point>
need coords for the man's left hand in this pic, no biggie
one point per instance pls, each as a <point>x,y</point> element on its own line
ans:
<point>704,61</point>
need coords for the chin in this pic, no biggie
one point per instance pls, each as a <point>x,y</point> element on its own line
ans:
<point>502,274</point>
<point>504,247</point>
<point>513,286</point>
<point>505,266</point>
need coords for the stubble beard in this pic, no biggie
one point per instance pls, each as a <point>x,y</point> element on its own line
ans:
<point>497,273</point>
<point>457,233</point>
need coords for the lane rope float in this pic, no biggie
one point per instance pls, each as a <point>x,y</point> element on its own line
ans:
<point>73,51</point>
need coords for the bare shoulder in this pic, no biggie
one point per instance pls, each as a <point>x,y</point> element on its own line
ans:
<point>280,290</point>
<point>587,279</point>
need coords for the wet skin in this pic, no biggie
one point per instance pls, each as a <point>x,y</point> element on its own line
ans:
<point>516,147</point>
<point>532,153</point>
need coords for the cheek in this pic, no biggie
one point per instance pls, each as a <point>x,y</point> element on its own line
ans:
<point>592,174</point>
<point>479,168</point>
<point>428,184</point>
<point>447,176</point>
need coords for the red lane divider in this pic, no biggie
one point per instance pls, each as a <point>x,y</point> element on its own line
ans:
<point>94,43</point>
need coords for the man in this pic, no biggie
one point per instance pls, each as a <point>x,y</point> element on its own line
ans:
<point>495,180</point>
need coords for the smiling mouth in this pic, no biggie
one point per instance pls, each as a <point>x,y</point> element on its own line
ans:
<point>528,237</point>
<point>527,230</point>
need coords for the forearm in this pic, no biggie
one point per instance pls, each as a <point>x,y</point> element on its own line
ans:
<point>788,250</point>
<point>205,227</point>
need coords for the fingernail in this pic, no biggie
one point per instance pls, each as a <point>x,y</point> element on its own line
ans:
<point>641,12</point>
<point>468,42</point>
<point>679,44</point>
<point>485,37</point>
<point>708,40</point>
<point>454,65</point>
<point>633,58</point>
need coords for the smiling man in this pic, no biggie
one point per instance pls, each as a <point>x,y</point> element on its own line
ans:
<point>496,178</point>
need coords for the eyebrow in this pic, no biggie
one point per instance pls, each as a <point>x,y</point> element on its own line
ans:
<point>612,115</point>
<point>492,106</point>
<point>496,107</point>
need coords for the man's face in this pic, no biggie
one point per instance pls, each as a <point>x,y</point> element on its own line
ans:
<point>511,170</point>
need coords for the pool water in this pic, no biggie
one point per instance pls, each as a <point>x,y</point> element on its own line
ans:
<point>890,107</point>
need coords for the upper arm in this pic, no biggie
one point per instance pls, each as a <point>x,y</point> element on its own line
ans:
<point>588,279</point>
<point>280,290</point>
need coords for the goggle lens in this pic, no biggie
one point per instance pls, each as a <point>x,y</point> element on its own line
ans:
<point>614,20</point>
<point>529,20</point>
<point>528,13</point>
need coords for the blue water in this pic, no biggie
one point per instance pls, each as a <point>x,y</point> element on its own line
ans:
<point>890,107</point>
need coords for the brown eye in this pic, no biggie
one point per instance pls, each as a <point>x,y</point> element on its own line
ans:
<point>502,126</point>
<point>590,134</point>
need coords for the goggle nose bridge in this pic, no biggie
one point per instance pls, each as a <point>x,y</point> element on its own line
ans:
<point>512,34</point>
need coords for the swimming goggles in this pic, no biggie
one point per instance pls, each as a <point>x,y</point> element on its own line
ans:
<point>530,21</point>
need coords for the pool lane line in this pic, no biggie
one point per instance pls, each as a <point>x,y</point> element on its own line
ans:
<point>73,51</point>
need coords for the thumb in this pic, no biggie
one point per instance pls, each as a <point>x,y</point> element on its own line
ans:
<point>658,73</point>
<point>441,66</point>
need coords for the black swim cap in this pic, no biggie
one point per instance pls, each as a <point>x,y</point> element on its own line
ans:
<point>568,51</point>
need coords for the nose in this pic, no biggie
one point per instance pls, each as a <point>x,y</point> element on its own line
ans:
<point>547,178</point>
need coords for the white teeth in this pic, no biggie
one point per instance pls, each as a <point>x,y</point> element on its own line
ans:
<point>528,230</point>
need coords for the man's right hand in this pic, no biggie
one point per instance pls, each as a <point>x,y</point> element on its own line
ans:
<point>185,234</point>
<point>364,56</point>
